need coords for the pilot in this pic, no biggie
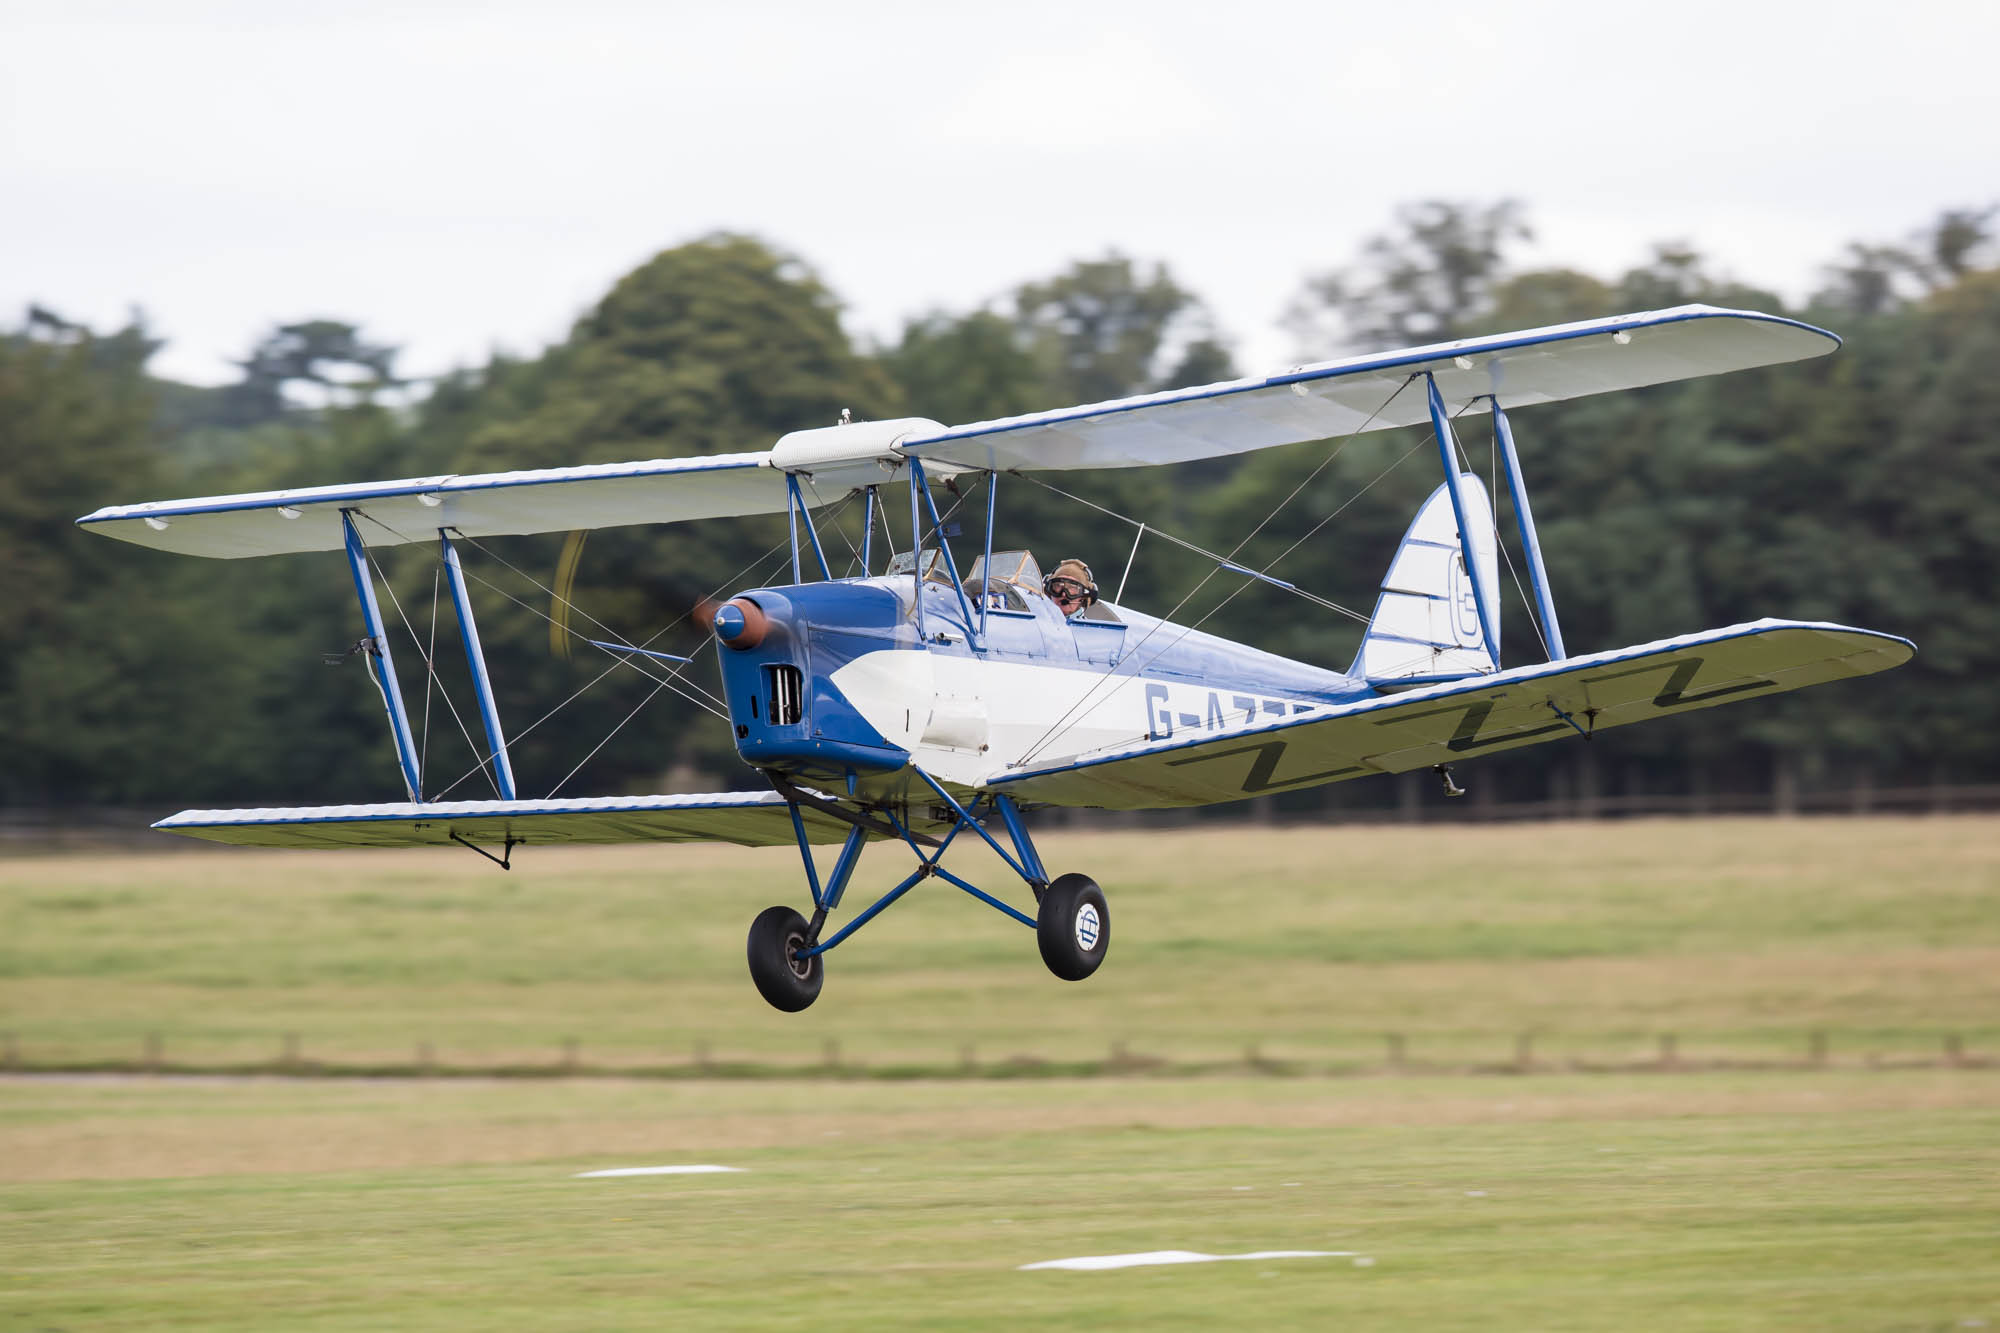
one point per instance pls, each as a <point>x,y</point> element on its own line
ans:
<point>1071,587</point>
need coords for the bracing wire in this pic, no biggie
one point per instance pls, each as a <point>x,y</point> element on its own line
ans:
<point>643,666</point>
<point>570,606</point>
<point>1171,539</point>
<point>651,694</point>
<point>430,671</point>
<point>581,690</point>
<point>841,532</point>
<point>671,680</point>
<point>1315,529</point>
<point>585,688</point>
<point>1230,597</point>
<point>1356,496</point>
<point>486,761</point>
<point>1092,697</point>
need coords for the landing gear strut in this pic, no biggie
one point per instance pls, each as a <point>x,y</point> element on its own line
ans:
<point>786,953</point>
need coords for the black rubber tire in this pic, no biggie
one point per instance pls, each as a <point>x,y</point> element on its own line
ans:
<point>1074,925</point>
<point>788,983</point>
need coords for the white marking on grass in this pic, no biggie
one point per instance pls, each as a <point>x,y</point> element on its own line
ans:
<point>1092,1263</point>
<point>692,1170</point>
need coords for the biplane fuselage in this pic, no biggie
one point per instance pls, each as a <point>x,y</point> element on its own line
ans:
<point>843,683</point>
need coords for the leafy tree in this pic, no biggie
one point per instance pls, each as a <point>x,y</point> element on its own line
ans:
<point>1546,296</point>
<point>1958,243</point>
<point>1869,280</point>
<point>961,369</point>
<point>327,354</point>
<point>1872,279</point>
<point>1105,329</point>
<point>1429,279</point>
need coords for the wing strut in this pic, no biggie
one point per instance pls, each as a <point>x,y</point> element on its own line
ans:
<point>381,666</point>
<point>1524,519</point>
<point>919,484</point>
<point>1448,451</point>
<point>489,712</point>
<point>795,505</point>
<point>868,538</point>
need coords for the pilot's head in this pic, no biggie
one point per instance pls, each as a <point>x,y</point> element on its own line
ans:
<point>1070,586</point>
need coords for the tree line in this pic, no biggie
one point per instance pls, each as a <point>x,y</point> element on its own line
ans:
<point>1859,487</point>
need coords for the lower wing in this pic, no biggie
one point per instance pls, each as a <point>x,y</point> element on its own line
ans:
<point>749,819</point>
<point>1441,724</point>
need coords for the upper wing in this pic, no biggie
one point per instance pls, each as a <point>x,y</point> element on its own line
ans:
<point>827,462</point>
<point>1445,723</point>
<point>1311,403</point>
<point>546,500</point>
<point>750,819</point>
<point>1336,398</point>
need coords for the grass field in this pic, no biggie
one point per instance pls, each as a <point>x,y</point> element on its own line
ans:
<point>1740,937</point>
<point>1861,1195</point>
<point>1840,1200</point>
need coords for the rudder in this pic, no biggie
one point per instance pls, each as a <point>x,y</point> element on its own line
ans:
<point>1426,622</point>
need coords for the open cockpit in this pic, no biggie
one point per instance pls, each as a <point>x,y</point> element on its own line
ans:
<point>1006,581</point>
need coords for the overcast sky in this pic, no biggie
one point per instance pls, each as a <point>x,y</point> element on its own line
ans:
<point>460,178</point>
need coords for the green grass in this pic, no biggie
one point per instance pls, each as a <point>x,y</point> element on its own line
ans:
<point>1848,1197</point>
<point>1826,1201</point>
<point>1741,937</point>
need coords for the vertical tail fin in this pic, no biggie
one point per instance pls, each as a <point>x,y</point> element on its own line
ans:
<point>1426,622</point>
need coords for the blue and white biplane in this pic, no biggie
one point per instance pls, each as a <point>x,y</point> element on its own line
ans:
<point>917,702</point>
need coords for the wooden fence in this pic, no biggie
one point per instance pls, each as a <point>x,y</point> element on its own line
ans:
<point>1523,1053</point>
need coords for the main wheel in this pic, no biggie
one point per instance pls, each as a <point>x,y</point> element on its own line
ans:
<point>789,982</point>
<point>1074,925</point>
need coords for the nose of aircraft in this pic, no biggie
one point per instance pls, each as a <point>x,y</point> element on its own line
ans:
<point>741,623</point>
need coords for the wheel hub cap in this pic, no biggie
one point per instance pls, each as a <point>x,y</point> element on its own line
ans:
<point>1088,927</point>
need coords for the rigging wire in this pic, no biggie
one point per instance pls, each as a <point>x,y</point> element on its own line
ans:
<point>570,606</point>
<point>1233,594</point>
<point>581,690</point>
<point>1148,529</point>
<point>1088,702</point>
<point>672,680</point>
<point>1314,530</point>
<point>642,666</point>
<point>487,762</point>
<point>606,741</point>
<point>584,688</point>
<point>430,669</point>
<point>840,531</point>
<point>1311,532</point>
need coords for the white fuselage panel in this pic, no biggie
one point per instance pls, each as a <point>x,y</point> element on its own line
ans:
<point>939,707</point>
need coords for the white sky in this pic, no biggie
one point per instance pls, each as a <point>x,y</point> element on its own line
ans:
<point>460,178</point>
